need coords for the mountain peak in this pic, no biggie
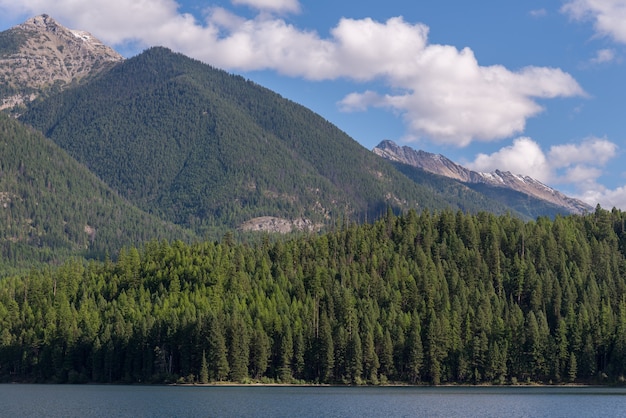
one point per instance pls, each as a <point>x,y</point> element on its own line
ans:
<point>41,21</point>
<point>41,53</point>
<point>45,23</point>
<point>433,163</point>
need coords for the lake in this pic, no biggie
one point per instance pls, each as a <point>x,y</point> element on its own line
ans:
<point>309,401</point>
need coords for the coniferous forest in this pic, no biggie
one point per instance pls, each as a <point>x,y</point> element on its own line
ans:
<point>418,298</point>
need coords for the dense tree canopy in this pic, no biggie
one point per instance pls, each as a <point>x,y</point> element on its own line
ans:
<point>423,297</point>
<point>51,207</point>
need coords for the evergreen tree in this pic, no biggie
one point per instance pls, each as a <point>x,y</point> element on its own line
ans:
<point>370,358</point>
<point>259,351</point>
<point>238,349</point>
<point>415,350</point>
<point>220,368</point>
<point>203,375</point>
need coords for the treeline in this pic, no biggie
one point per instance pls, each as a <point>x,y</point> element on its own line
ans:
<point>419,298</point>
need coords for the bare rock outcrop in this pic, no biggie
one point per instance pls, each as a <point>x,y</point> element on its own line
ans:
<point>41,55</point>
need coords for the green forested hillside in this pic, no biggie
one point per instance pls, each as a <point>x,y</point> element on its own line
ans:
<point>434,298</point>
<point>204,149</point>
<point>52,207</point>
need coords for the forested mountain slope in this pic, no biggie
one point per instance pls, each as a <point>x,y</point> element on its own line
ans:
<point>52,207</point>
<point>205,149</point>
<point>434,298</point>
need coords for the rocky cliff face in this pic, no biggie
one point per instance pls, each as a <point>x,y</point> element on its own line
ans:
<point>40,54</point>
<point>438,164</point>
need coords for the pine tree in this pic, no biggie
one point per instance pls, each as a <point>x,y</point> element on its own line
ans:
<point>370,358</point>
<point>286,355</point>
<point>217,349</point>
<point>355,357</point>
<point>203,376</point>
<point>238,349</point>
<point>325,352</point>
<point>415,350</point>
<point>572,368</point>
<point>298,355</point>
<point>386,355</point>
<point>259,351</point>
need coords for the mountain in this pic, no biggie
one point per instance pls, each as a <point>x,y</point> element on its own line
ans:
<point>492,184</point>
<point>51,207</point>
<point>211,151</point>
<point>206,149</point>
<point>40,55</point>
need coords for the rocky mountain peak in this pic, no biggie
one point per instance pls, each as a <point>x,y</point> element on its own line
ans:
<point>42,22</point>
<point>42,54</point>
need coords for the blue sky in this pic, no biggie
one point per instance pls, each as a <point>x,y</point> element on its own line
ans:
<point>535,87</point>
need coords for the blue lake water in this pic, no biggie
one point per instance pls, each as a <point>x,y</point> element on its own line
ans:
<point>278,401</point>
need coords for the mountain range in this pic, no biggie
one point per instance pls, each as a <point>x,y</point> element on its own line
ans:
<point>198,152</point>
<point>497,181</point>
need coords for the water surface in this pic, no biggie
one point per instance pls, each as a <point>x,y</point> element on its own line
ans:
<point>310,401</point>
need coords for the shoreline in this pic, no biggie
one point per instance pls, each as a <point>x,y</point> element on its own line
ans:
<point>399,385</point>
<point>335,385</point>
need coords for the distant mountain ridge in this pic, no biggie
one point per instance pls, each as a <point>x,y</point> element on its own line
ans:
<point>41,54</point>
<point>439,164</point>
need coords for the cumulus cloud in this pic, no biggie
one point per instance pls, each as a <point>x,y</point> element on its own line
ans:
<point>449,98</point>
<point>443,93</point>
<point>603,56</point>
<point>592,150</point>
<point>608,16</point>
<point>273,5</point>
<point>525,157</point>
<point>608,198</point>
<point>578,166</point>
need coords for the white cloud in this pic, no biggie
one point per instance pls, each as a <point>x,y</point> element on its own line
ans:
<point>538,13</point>
<point>272,5</point>
<point>449,98</point>
<point>608,198</point>
<point>525,157</point>
<point>582,175</point>
<point>443,93</point>
<point>577,166</point>
<point>361,101</point>
<point>603,56</point>
<point>592,150</point>
<point>608,16</point>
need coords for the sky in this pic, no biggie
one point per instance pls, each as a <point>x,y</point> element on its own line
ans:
<point>537,88</point>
